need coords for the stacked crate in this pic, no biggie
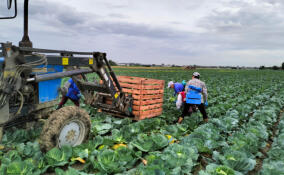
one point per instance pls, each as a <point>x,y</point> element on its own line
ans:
<point>147,94</point>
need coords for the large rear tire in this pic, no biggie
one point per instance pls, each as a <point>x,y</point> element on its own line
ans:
<point>67,126</point>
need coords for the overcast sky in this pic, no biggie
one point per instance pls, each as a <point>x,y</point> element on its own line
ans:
<point>202,32</point>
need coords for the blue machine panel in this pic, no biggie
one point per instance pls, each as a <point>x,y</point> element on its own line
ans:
<point>48,90</point>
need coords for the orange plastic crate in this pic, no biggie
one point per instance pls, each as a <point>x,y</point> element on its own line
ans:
<point>147,94</point>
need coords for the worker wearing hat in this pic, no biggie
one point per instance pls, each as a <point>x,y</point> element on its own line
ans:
<point>178,87</point>
<point>196,94</point>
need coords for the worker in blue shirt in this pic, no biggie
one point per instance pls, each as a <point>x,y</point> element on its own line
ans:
<point>178,87</point>
<point>70,91</point>
<point>1,63</point>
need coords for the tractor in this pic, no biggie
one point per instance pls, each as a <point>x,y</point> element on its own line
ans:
<point>30,80</point>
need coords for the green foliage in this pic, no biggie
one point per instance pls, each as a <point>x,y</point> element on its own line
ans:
<point>20,167</point>
<point>176,130</point>
<point>15,135</point>
<point>114,161</point>
<point>101,128</point>
<point>273,167</point>
<point>70,171</point>
<point>58,157</point>
<point>244,107</point>
<point>214,169</point>
<point>146,143</point>
<point>205,138</point>
<point>175,159</point>
<point>236,160</point>
<point>275,67</point>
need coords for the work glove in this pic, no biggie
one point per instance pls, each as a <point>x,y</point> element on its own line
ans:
<point>206,103</point>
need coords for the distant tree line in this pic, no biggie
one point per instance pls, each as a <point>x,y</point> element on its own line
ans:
<point>112,63</point>
<point>273,67</point>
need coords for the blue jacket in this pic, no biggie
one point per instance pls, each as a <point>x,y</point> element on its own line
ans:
<point>1,63</point>
<point>73,90</point>
<point>193,96</point>
<point>178,87</point>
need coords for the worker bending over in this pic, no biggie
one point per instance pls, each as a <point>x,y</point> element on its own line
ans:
<point>178,87</point>
<point>70,91</point>
<point>196,94</point>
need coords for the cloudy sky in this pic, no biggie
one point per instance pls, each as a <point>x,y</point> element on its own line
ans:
<point>203,32</point>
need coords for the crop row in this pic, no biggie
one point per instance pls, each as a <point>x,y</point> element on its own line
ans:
<point>274,163</point>
<point>243,145</point>
<point>244,106</point>
<point>206,135</point>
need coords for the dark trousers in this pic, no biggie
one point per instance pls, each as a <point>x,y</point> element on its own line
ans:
<point>189,108</point>
<point>64,99</point>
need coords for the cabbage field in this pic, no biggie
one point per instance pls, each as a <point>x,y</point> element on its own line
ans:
<point>244,135</point>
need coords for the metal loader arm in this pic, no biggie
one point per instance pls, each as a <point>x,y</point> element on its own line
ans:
<point>27,58</point>
<point>98,64</point>
<point>111,87</point>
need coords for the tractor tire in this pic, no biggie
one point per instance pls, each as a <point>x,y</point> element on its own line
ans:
<point>67,126</point>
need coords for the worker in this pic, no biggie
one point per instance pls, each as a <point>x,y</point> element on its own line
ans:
<point>178,87</point>
<point>2,65</point>
<point>196,94</point>
<point>70,91</point>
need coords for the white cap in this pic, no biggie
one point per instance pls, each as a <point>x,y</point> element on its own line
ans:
<point>170,83</point>
<point>196,74</point>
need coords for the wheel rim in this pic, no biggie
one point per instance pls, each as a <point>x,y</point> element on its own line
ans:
<point>72,133</point>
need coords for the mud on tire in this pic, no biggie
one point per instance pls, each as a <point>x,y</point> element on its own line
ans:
<point>61,119</point>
